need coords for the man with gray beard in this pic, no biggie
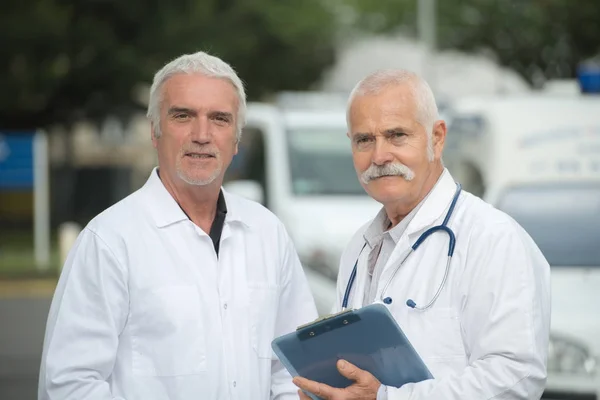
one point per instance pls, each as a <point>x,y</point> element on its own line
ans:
<point>176,292</point>
<point>468,286</point>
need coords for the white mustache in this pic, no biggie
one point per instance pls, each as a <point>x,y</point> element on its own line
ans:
<point>391,169</point>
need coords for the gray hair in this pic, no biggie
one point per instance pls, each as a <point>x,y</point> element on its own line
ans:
<point>427,111</point>
<point>201,63</point>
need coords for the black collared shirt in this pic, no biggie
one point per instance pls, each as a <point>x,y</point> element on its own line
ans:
<point>217,226</point>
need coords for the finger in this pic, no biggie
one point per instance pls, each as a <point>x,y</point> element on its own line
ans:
<point>316,388</point>
<point>350,370</point>
<point>303,396</point>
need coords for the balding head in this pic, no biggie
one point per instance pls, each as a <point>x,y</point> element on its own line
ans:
<point>427,112</point>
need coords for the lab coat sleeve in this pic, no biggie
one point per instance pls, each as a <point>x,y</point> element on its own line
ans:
<point>340,288</point>
<point>505,295</point>
<point>296,307</point>
<point>337,305</point>
<point>88,312</point>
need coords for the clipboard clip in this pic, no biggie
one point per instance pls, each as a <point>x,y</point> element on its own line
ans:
<point>324,318</point>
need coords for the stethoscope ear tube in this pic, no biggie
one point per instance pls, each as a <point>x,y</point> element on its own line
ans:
<point>351,280</point>
<point>451,245</point>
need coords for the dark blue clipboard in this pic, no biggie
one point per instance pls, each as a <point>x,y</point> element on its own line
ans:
<point>368,337</point>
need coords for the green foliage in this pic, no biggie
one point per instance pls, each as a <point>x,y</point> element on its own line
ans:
<point>63,59</point>
<point>538,38</point>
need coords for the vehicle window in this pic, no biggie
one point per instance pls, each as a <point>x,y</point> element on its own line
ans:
<point>463,132</point>
<point>564,220</point>
<point>321,163</point>
<point>249,162</point>
<point>462,128</point>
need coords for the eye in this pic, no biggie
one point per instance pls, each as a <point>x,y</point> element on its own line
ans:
<point>397,138</point>
<point>180,117</point>
<point>362,139</point>
<point>222,119</point>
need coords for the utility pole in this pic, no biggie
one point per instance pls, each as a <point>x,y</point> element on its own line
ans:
<point>426,21</point>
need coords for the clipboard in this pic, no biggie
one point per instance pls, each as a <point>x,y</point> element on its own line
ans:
<point>368,337</point>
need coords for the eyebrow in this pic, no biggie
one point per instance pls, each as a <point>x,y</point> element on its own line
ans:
<point>390,131</point>
<point>397,129</point>
<point>213,114</point>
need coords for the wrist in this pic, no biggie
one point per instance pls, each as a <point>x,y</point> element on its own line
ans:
<point>382,393</point>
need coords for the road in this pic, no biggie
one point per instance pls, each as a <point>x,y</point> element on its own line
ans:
<point>22,325</point>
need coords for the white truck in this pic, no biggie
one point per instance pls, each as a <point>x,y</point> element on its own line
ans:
<point>537,157</point>
<point>296,159</point>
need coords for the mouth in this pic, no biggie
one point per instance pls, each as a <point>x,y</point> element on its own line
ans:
<point>383,177</point>
<point>199,156</point>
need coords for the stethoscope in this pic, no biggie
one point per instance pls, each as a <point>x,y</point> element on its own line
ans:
<point>443,227</point>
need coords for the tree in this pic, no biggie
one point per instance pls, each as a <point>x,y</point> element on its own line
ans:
<point>540,39</point>
<point>62,60</point>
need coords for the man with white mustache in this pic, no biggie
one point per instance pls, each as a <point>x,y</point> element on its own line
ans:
<point>177,291</point>
<point>480,320</point>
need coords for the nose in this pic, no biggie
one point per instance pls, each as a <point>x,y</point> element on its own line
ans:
<point>200,131</point>
<point>381,154</point>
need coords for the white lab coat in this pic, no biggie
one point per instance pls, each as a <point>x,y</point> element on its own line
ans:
<point>144,310</point>
<point>486,336</point>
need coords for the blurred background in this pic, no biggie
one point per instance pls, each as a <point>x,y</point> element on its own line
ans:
<point>517,81</point>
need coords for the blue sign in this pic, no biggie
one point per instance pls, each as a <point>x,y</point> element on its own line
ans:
<point>588,75</point>
<point>16,160</point>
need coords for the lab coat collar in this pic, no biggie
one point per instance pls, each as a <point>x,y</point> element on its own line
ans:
<point>435,205</point>
<point>165,211</point>
<point>234,209</point>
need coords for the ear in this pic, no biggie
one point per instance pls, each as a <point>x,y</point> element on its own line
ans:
<point>152,136</point>
<point>439,138</point>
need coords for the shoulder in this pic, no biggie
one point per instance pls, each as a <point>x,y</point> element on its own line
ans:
<point>486,227</point>
<point>483,218</point>
<point>119,223</point>
<point>260,220</point>
<point>496,252</point>
<point>250,212</point>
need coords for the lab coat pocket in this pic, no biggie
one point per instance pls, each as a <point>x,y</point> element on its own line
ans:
<point>440,335</point>
<point>263,309</point>
<point>167,334</point>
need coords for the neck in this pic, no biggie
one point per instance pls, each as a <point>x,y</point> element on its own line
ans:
<point>398,210</point>
<point>198,202</point>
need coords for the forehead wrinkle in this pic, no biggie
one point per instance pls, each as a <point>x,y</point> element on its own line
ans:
<point>188,91</point>
<point>381,119</point>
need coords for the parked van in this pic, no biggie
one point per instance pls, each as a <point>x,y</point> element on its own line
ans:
<point>537,157</point>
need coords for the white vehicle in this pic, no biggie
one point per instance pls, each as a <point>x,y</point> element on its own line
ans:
<point>297,161</point>
<point>537,157</point>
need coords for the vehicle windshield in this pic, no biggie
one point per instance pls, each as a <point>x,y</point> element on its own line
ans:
<point>321,163</point>
<point>564,221</point>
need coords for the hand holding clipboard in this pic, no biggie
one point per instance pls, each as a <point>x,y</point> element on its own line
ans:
<point>365,385</point>
<point>368,338</point>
